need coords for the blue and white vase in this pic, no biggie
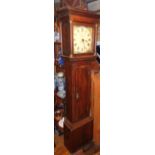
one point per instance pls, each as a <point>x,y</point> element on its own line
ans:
<point>60,81</point>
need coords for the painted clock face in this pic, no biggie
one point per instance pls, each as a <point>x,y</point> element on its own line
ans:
<point>82,39</point>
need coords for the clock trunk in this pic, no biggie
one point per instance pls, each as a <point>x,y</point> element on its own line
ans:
<point>78,82</point>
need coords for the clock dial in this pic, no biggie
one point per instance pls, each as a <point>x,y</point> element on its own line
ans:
<point>82,39</point>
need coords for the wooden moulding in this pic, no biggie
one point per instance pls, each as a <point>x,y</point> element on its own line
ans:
<point>80,58</point>
<point>74,14</point>
<point>74,126</point>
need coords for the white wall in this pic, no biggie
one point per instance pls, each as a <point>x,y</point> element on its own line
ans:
<point>94,5</point>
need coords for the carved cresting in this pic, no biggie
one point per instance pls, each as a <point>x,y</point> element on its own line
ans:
<point>81,4</point>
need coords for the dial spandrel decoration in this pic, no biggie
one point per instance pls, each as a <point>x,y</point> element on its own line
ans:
<point>82,39</point>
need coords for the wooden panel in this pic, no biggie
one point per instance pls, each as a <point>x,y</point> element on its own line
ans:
<point>82,91</point>
<point>74,139</point>
<point>96,105</point>
<point>69,89</point>
<point>65,38</point>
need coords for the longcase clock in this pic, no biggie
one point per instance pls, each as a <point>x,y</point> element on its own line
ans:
<point>79,28</point>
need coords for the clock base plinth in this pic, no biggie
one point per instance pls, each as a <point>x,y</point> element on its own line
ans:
<point>77,134</point>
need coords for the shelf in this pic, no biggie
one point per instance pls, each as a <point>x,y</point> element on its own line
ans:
<point>57,42</point>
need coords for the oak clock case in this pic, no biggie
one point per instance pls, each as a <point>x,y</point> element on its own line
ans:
<point>78,43</point>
